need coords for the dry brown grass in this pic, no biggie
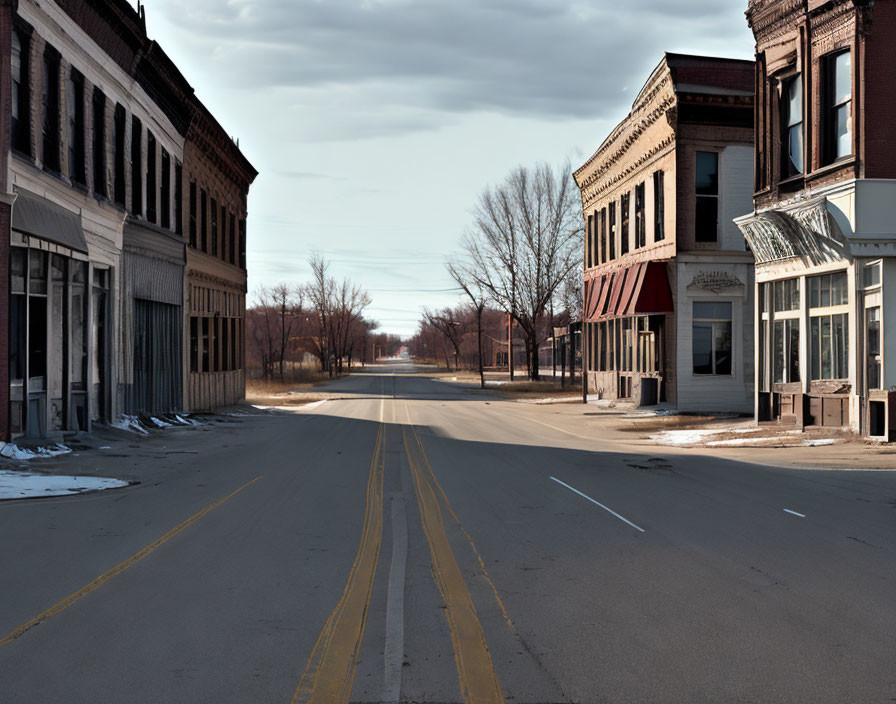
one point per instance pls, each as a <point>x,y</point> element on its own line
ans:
<point>287,393</point>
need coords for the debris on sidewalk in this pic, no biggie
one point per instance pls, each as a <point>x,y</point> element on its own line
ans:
<point>14,452</point>
<point>28,485</point>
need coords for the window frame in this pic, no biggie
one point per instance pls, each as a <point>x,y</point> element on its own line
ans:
<point>707,197</point>
<point>832,107</point>
<point>714,323</point>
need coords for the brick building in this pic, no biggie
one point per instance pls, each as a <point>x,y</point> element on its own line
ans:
<point>218,177</point>
<point>668,278</point>
<point>822,228</point>
<point>93,251</point>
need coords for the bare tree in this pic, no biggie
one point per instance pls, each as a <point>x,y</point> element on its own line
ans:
<point>526,241</point>
<point>449,323</point>
<point>478,295</point>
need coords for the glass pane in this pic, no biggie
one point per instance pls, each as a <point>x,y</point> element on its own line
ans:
<point>37,342</point>
<point>57,267</point>
<point>814,291</point>
<point>794,294</point>
<point>79,339</point>
<point>872,275</point>
<point>702,341</point>
<point>778,343</point>
<point>815,349</point>
<point>843,130</point>
<point>824,296</point>
<point>825,342</point>
<point>795,101</point>
<point>17,337</point>
<point>793,350</point>
<point>873,316</point>
<point>18,266</point>
<point>712,310</point>
<point>839,294</point>
<point>795,148</point>
<point>723,348</point>
<point>707,225</point>
<point>37,264</point>
<point>842,77</point>
<point>840,346</point>
<point>707,173</point>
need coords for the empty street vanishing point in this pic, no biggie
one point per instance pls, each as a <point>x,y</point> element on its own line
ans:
<point>415,540</point>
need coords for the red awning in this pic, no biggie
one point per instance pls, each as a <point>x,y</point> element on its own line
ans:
<point>652,293</point>
<point>642,289</point>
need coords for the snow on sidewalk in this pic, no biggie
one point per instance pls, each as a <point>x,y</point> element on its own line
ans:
<point>27,485</point>
<point>715,437</point>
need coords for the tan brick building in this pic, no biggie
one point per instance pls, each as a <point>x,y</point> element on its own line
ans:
<point>218,177</point>
<point>823,228</point>
<point>668,278</point>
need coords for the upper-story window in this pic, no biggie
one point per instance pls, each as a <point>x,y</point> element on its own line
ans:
<point>640,224</point>
<point>166,190</point>
<point>203,220</point>
<point>99,142</point>
<point>136,166</point>
<point>589,240</point>
<point>232,239</point>
<point>178,197</point>
<point>75,112</point>
<point>118,125</point>
<point>214,215</point>
<point>193,227</point>
<point>792,119</point>
<point>612,228</point>
<point>51,109</point>
<point>603,234</point>
<point>837,119</point>
<point>707,221</point>
<point>152,181</point>
<point>21,90</point>
<point>659,207</point>
<point>624,210</point>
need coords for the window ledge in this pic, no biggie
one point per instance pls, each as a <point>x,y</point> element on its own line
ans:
<point>844,162</point>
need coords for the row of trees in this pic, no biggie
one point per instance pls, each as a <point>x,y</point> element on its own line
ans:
<point>320,322</point>
<point>522,255</point>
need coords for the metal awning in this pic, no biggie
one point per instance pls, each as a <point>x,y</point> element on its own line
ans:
<point>641,289</point>
<point>39,217</point>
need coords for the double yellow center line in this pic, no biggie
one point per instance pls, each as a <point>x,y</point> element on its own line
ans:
<point>330,671</point>
<point>329,674</point>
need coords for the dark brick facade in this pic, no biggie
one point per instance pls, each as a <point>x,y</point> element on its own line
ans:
<point>795,37</point>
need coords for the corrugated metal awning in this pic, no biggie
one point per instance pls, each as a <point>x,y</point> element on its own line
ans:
<point>39,217</point>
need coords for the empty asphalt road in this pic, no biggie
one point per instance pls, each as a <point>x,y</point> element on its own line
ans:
<point>414,541</point>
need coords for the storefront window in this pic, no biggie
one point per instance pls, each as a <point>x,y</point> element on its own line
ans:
<point>712,338</point>
<point>829,326</point>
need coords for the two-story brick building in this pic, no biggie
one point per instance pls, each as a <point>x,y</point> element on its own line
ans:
<point>92,220</point>
<point>823,228</point>
<point>668,278</point>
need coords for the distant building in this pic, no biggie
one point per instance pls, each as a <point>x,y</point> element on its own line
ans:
<point>93,250</point>
<point>824,225</point>
<point>218,177</point>
<point>668,277</point>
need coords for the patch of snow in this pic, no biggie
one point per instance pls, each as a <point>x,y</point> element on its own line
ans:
<point>130,424</point>
<point>682,437</point>
<point>737,442</point>
<point>819,442</point>
<point>24,485</point>
<point>106,447</point>
<point>186,420</point>
<point>653,413</point>
<point>160,423</point>
<point>14,452</point>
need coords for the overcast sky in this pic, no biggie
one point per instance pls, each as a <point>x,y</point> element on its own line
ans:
<point>375,123</point>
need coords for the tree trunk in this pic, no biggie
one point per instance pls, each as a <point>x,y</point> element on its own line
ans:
<point>479,336</point>
<point>533,356</point>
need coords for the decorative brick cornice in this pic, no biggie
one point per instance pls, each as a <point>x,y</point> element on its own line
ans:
<point>595,190</point>
<point>627,132</point>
